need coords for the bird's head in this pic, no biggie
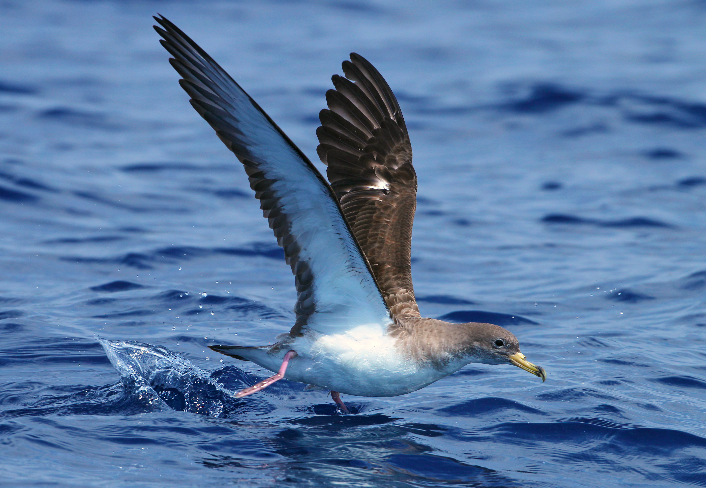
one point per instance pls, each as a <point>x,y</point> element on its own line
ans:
<point>491,344</point>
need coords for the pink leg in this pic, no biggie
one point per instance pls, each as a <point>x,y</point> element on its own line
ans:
<point>265,383</point>
<point>337,398</point>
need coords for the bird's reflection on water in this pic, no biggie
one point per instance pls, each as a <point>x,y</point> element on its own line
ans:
<point>357,449</point>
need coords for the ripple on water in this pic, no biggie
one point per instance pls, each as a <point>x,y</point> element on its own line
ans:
<point>695,281</point>
<point>265,250</point>
<point>578,394</point>
<point>11,327</point>
<point>26,182</point>
<point>502,319</point>
<point>157,166</point>
<point>629,223</point>
<point>116,286</point>
<point>426,468</point>
<point>173,296</point>
<point>666,111</point>
<point>16,196</point>
<point>544,97</point>
<point>80,118</point>
<point>682,382</point>
<point>628,296</point>
<point>85,240</point>
<point>444,300</point>
<point>14,88</point>
<point>663,153</point>
<point>691,182</point>
<point>480,406</point>
<point>10,314</point>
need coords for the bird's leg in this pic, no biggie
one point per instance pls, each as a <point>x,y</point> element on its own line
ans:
<point>265,383</point>
<point>337,398</point>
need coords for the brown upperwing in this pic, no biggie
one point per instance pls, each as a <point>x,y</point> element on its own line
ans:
<point>364,142</point>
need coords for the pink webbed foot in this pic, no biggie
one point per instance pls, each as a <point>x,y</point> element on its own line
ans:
<point>265,383</point>
<point>337,398</point>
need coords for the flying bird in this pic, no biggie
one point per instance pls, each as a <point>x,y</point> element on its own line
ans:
<point>358,329</point>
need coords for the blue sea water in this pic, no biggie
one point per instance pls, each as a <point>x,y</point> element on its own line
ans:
<point>560,149</point>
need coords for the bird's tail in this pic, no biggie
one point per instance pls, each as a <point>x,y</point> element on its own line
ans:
<point>243,353</point>
<point>269,357</point>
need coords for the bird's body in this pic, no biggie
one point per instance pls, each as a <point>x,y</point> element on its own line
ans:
<point>365,360</point>
<point>358,329</point>
<point>362,361</point>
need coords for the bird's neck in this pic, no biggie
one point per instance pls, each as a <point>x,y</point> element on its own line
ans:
<point>441,344</point>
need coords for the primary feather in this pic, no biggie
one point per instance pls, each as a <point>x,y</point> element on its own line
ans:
<point>335,287</point>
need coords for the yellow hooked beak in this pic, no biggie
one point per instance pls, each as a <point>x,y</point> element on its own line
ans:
<point>519,360</point>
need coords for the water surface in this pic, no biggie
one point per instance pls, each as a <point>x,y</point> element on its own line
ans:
<point>562,185</point>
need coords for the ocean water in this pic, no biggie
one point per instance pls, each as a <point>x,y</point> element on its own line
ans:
<point>561,155</point>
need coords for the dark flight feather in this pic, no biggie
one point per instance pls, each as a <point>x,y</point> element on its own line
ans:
<point>335,287</point>
<point>364,142</point>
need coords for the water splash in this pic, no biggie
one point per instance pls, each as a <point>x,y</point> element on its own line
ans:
<point>163,379</point>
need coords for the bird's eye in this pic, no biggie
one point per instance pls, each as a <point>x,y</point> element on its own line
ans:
<point>499,343</point>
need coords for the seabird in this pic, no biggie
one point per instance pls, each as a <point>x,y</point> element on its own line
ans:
<point>358,329</point>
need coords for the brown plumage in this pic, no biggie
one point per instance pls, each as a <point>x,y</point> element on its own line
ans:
<point>364,142</point>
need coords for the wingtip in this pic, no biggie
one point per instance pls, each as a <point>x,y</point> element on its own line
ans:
<point>355,57</point>
<point>163,26</point>
<point>164,22</point>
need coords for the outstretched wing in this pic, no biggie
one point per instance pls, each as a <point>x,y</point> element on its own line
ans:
<point>364,142</point>
<point>335,287</point>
